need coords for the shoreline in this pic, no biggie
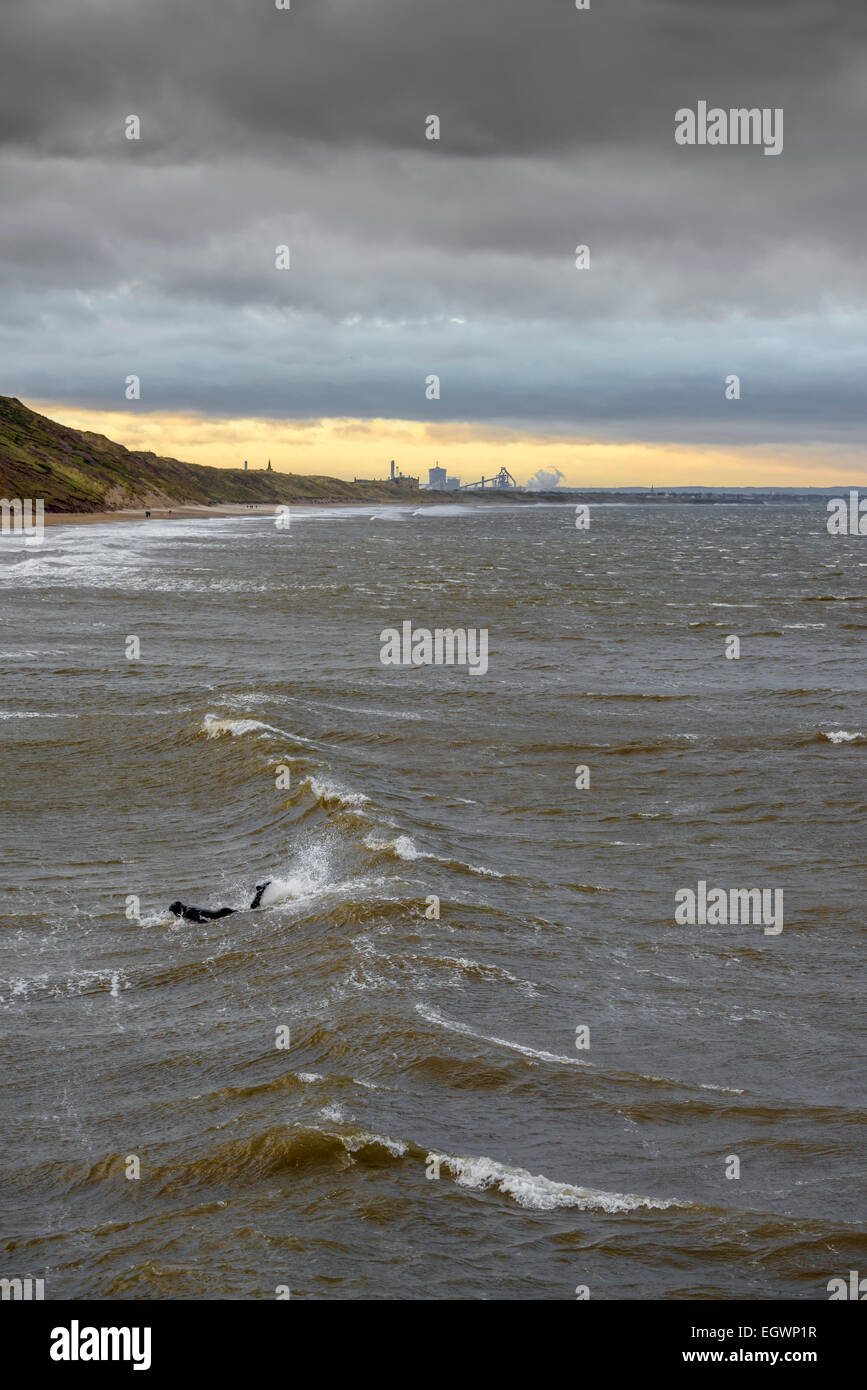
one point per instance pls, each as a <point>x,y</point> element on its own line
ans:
<point>192,510</point>
<point>180,513</point>
<point>570,497</point>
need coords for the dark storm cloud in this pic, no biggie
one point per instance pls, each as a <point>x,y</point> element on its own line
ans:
<point>306,127</point>
<point>506,76</point>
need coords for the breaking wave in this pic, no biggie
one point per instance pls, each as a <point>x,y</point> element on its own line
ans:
<point>279,1150</point>
<point>327,794</point>
<point>214,727</point>
<point>403,847</point>
<point>538,1193</point>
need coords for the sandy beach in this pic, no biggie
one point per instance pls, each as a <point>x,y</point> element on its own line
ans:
<point>182,513</point>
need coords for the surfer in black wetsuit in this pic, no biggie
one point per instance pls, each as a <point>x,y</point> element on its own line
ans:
<point>206,914</point>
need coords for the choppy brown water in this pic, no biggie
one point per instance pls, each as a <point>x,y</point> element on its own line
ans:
<point>414,1038</point>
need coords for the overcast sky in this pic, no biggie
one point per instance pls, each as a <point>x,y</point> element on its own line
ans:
<point>411,257</point>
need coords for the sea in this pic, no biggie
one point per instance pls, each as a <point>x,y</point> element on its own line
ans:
<point>467,1048</point>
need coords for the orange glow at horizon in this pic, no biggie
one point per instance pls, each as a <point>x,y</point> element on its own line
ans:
<point>348,448</point>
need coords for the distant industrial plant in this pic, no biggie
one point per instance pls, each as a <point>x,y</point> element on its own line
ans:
<point>395,476</point>
<point>439,481</point>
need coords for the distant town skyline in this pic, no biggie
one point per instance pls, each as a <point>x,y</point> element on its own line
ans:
<point>334,235</point>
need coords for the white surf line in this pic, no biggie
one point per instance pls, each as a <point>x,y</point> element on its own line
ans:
<point>434,1016</point>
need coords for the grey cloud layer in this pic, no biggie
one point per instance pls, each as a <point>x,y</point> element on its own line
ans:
<point>410,257</point>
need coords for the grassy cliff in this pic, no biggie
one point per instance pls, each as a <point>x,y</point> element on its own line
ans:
<point>75,471</point>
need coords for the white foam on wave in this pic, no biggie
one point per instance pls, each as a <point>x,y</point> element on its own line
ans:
<point>466,966</point>
<point>842,735</point>
<point>214,727</point>
<point>442,509</point>
<point>125,556</point>
<point>158,919</point>
<point>475,967</point>
<point>537,1193</point>
<point>32,654</point>
<point>394,1146</point>
<point>403,847</point>
<point>310,877</point>
<point>78,982</point>
<point>334,1112</point>
<point>380,711</point>
<point>311,1077</point>
<point>325,791</point>
<point>361,1139</point>
<point>433,1015</point>
<point>32,714</point>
